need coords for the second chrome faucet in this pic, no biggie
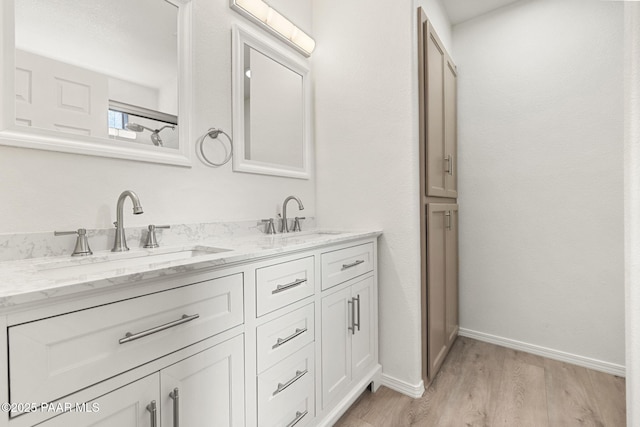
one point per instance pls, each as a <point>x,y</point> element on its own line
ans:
<point>120,243</point>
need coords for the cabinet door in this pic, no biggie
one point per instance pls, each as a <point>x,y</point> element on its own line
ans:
<point>452,276</point>
<point>441,117</point>
<point>362,341</point>
<point>450,129</point>
<point>336,345</point>
<point>210,388</point>
<point>435,58</point>
<point>437,220</point>
<point>124,407</point>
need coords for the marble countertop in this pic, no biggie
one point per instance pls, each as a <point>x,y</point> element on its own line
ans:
<point>34,279</point>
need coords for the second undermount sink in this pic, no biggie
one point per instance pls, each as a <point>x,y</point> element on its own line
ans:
<point>72,267</point>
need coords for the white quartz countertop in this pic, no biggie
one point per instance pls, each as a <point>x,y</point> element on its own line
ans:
<point>35,279</point>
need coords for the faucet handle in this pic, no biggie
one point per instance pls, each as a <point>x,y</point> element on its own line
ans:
<point>296,223</point>
<point>82,242</point>
<point>269,227</point>
<point>152,242</point>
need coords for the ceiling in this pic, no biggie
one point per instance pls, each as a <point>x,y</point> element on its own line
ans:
<point>463,10</point>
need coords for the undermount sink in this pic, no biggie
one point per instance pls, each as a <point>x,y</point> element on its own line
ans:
<point>95,264</point>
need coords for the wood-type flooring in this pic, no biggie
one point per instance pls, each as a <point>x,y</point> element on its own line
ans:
<point>484,385</point>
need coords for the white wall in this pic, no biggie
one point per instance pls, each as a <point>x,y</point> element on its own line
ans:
<point>632,209</point>
<point>297,11</point>
<point>44,191</point>
<point>365,70</point>
<point>540,155</point>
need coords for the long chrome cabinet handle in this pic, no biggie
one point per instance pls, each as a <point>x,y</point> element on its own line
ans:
<point>175,395</point>
<point>293,284</point>
<point>357,299</point>
<point>151,407</point>
<point>128,337</point>
<point>289,338</point>
<point>299,416</point>
<point>352,326</point>
<point>282,387</point>
<point>353,264</point>
<point>448,218</point>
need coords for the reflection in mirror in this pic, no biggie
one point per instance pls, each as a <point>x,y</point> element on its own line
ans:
<point>273,124</point>
<point>68,68</point>
<point>104,73</point>
<point>271,109</point>
<point>129,123</point>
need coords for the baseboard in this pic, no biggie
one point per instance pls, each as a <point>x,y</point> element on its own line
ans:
<point>414,391</point>
<point>574,359</point>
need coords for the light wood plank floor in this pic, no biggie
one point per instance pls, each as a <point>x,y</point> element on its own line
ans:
<point>482,384</point>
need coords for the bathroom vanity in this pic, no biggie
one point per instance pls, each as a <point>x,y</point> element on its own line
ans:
<point>254,331</point>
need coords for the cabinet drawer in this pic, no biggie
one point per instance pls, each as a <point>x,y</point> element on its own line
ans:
<point>286,391</point>
<point>284,336</point>
<point>344,264</point>
<point>281,284</point>
<point>54,357</point>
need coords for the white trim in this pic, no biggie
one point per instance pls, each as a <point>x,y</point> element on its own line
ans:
<point>240,37</point>
<point>574,359</point>
<point>413,391</point>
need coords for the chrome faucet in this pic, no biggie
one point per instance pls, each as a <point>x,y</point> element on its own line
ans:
<point>120,244</point>
<point>284,227</point>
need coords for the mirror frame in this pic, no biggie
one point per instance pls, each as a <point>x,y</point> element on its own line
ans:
<point>44,139</point>
<point>241,37</point>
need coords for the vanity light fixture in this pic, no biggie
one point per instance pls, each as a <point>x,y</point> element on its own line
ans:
<point>260,12</point>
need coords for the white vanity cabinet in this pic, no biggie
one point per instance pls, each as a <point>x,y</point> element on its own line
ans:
<point>349,327</point>
<point>276,340</point>
<point>204,390</point>
<point>109,359</point>
<point>348,340</point>
<point>128,406</point>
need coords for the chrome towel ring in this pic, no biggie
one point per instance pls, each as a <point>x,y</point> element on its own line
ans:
<point>213,133</point>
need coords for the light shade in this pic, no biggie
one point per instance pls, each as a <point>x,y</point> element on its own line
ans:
<point>274,21</point>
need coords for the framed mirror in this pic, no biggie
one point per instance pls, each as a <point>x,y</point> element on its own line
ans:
<point>106,78</point>
<point>271,108</point>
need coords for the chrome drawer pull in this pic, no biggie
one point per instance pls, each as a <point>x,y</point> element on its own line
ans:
<point>299,416</point>
<point>128,337</point>
<point>289,338</point>
<point>293,284</point>
<point>151,407</point>
<point>175,395</point>
<point>282,387</point>
<point>353,264</point>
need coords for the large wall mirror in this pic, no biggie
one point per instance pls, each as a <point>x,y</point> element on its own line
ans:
<point>97,77</point>
<point>271,108</point>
